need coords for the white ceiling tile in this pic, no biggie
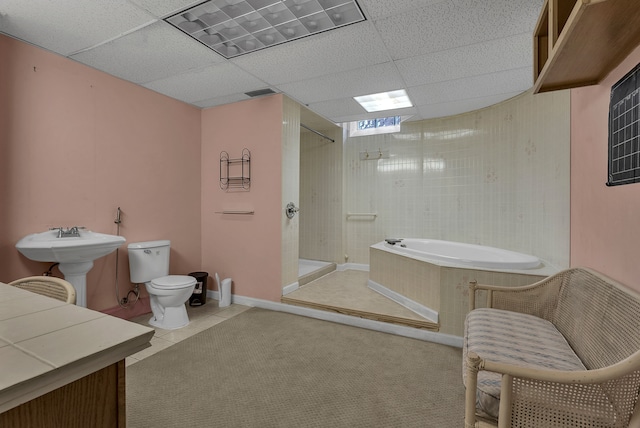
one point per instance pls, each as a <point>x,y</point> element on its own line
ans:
<point>472,87</point>
<point>163,8</point>
<point>452,24</point>
<point>347,48</point>
<point>336,109</point>
<point>215,81</point>
<point>422,31</point>
<point>450,55</point>
<point>376,9</point>
<point>152,53</point>
<point>72,25</point>
<point>431,111</point>
<point>315,121</point>
<point>480,58</point>
<point>363,81</point>
<point>347,110</point>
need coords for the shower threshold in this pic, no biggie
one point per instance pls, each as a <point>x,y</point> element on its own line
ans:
<point>346,292</point>
<point>310,270</point>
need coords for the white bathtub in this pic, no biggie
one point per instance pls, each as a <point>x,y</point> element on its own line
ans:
<point>431,277</point>
<point>461,254</point>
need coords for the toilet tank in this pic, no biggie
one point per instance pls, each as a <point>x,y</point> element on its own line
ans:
<point>148,260</point>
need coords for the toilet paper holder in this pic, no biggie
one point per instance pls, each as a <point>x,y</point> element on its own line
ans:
<point>291,210</point>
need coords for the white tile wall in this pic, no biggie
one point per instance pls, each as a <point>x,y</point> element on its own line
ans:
<point>321,196</point>
<point>498,176</point>
<point>290,189</point>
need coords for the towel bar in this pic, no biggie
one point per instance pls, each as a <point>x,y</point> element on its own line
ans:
<point>374,215</point>
<point>235,212</point>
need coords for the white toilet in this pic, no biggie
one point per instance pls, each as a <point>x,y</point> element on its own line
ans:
<point>149,264</point>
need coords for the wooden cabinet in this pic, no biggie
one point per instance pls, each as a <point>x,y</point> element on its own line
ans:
<point>63,365</point>
<point>96,400</point>
<point>578,42</point>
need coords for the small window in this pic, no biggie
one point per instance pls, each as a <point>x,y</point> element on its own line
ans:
<point>384,125</point>
<point>624,130</point>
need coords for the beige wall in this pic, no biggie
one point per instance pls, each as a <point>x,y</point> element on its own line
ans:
<point>604,220</point>
<point>75,145</point>
<point>246,248</point>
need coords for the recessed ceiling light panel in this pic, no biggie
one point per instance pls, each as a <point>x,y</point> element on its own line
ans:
<point>384,101</point>
<point>236,27</point>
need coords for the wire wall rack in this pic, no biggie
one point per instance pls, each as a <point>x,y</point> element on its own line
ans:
<point>235,172</point>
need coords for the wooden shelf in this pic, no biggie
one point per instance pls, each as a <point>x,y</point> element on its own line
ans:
<point>578,42</point>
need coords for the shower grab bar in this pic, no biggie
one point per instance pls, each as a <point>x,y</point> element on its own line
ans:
<point>236,212</point>
<point>374,215</point>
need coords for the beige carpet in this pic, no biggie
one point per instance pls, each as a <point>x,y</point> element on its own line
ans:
<point>271,369</point>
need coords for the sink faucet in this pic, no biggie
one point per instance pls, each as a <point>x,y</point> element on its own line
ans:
<point>69,232</point>
<point>59,229</point>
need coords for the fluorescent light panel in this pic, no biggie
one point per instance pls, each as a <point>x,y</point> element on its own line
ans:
<point>236,27</point>
<point>384,101</point>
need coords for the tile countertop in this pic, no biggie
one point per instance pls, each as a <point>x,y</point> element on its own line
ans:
<point>47,343</point>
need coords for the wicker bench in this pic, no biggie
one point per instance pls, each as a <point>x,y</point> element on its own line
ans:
<point>563,352</point>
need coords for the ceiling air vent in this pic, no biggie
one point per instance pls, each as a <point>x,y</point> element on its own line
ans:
<point>259,92</point>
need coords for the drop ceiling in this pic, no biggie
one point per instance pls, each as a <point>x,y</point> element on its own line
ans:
<point>451,56</point>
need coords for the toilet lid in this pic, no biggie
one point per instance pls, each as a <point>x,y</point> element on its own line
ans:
<point>173,281</point>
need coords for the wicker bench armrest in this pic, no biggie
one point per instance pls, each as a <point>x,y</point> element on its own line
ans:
<point>536,393</point>
<point>539,299</point>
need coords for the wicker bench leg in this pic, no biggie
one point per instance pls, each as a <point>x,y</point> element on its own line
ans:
<point>473,362</point>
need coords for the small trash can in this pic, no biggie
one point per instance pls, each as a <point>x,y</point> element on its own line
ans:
<point>199,295</point>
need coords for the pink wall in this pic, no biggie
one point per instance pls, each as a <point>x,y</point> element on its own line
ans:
<point>5,88</point>
<point>77,143</point>
<point>246,248</point>
<point>605,232</point>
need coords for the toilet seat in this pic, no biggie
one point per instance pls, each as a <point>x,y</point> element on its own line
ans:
<point>173,282</point>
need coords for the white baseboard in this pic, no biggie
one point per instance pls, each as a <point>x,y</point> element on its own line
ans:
<point>398,330</point>
<point>352,266</point>
<point>413,306</point>
<point>290,288</point>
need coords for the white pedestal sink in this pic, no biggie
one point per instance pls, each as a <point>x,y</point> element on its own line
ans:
<point>74,253</point>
